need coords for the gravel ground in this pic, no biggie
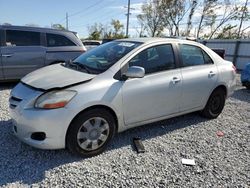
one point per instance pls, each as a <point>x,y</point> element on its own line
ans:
<point>220,161</point>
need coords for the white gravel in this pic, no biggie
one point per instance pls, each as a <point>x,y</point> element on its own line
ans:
<point>220,161</point>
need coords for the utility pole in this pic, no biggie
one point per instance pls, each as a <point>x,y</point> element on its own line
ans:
<point>67,21</point>
<point>242,17</point>
<point>128,13</point>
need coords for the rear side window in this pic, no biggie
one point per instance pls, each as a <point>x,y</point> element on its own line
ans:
<point>193,55</point>
<point>155,59</point>
<point>54,40</point>
<point>22,38</point>
<point>207,59</point>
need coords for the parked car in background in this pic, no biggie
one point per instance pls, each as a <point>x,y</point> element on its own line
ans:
<point>106,40</point>
<point>220,51</point>
<point>117,86</point>
<point>25,49</point>
<point>245,76</point>
<point>90,44</point>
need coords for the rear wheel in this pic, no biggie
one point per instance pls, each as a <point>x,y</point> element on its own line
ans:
<point>247,84</point>
<point>215,104</point>
<point>90,132</point>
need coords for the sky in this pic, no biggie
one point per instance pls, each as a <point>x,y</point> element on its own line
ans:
<point>82,13</point>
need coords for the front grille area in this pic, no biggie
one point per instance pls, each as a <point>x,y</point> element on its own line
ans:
<point>22,95</point>
<point>14,101</point>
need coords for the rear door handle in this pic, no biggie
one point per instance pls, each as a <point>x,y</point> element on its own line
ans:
<point>175,80</point>
<point>7,55</point>
<point>211,74</point>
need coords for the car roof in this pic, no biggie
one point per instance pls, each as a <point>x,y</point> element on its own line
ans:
<point>157,39</point>
<point>43,29</point>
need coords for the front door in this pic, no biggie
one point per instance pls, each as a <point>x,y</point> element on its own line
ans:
<point>22,53</point>
<point>157,94</point>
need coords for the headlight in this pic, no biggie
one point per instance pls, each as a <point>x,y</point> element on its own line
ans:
<point>54,99</point>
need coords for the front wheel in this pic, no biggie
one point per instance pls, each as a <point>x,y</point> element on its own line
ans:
<point>215,104</point>
<point>247,84</point>
<point>90,132</point>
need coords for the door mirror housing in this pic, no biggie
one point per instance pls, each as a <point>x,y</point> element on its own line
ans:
<point>135,72</point>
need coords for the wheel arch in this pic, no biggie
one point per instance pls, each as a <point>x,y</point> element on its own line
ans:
<point>109,109</point>
<point>221,86</point>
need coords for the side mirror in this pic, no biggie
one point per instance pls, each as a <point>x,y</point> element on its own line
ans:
<point>135,72</point>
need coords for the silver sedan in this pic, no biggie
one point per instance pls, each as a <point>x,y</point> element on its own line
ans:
<point>81,105</point>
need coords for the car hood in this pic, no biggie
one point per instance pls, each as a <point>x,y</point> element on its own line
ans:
<point>55,76</point>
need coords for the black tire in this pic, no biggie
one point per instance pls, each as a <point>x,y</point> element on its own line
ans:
<point>71,137</point>
<point>215,104</point>
<point>248,85</point>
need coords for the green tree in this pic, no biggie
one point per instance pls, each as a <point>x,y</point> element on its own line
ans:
<point>7,24</point>
<point>152,18</point>
<point>114,30</point>
<point>231,11</point>
<point>173,12</point>
<point>117,29</point>
<point>95,31</point>
<point>194,4</point>
<point>58,26</point>
<point>141,29</point>
<point>243,16</point>
<point>32,25</point>
<point>228,32</point>
<point>208,11</point>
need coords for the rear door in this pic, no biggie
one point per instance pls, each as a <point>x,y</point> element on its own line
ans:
<point>199,75</point>
<point>61,49</point>
<point>22,53</point>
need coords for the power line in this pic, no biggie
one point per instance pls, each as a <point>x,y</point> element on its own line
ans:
<point>103,19</point>
<point>86,9</point>
<point>79,12</point>
<point>101,15</point>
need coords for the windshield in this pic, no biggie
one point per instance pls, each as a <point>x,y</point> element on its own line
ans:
<point>104,56</point>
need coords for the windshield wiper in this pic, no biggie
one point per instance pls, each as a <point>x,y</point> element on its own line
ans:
<point>76,65</point>
<point>82,66</point>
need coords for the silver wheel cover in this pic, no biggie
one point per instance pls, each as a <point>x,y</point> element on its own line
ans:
<point>93,133</point>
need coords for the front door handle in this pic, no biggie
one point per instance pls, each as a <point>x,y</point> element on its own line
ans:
<point>7,55</point>
<point>175,80</point>
<point>211,74</point>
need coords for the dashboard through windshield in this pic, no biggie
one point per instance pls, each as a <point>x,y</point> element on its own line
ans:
<point>99,59</point>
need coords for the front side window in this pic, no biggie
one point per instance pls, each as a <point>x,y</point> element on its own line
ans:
<point>193,55</point>
<point>22,38</point>
<point>155,59</point>
<point>54,40</point>
<point>104,56</point>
